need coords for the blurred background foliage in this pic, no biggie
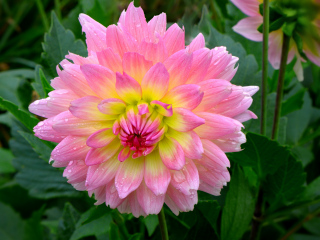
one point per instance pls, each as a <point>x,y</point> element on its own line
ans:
<point>35,200</point>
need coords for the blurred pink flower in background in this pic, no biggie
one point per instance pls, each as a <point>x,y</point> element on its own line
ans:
<point>144,120</point>
<point>248,27</point>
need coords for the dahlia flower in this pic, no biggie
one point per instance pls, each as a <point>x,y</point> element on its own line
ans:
<point>144,120</point>
<point>307,29</point>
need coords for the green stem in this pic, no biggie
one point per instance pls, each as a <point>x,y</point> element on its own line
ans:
<point>283,64</point>
<point>163,225</point>
<point>118,219</point>
<point>43,15</point>
<point>299,224</point>
<point>264,67</point>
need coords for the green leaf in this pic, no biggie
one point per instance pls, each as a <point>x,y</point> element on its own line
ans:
<point>67,224</point>
<point>210,210</point>
<point>6,161</point>
<point>57,43</point>
<point>293,103</point>
<point>11,225</point>
<point>39,146</point>
<point>25,118</point>
<point>136,236</point>
<point>10,81</point>
<point>263,155</point>
<point>285,184</point>
<point>41,84</point>
<point>313,226</point>
<point>38,177</point>
<point>298,120</point>
<point>312,191</point>
<point>151,222</point>
<point>239,207</point>
<point>33,228</point>
<point>114,232</point>
<point>94,228</point>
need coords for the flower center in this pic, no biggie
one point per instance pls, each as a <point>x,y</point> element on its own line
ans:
<point>139,134</point>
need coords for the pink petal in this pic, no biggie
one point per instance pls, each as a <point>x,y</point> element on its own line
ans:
<point>76,59</point>
<point>248,7</point>
<point>112,197</point>
<point>68,124</point>
<point>189,141</point>
<point>183,120</point>
<point>95,33</point>
<point>112,106</point>
<point>154,51</point>
<point>70,148</point>
<point>314,55</point>
<point>213,157</point>
<point>222,65</point>
<point>131,205</point>
<point>99,195</point>
<point>155,83</point>
<point>40,108</point>
<point>156,175</point>
<point>143,108</point>
<point>73,77</point>
<point>60,99</point>
<point>76,171</point>
<point>129,176</point>
<point>135,65</point>
<point>212,178</point>
<point>275,48</point>
<point>247,27</point>
<point>100,79</point>
<point>215,90</point>
<point>200,64</point>
<point>100,155</point>
<point>162,108</point>
<point>245,116</point>
<point>298,69</point>
<point>178,202</point>
<point>197,43</point>
<point>44,131</point>
<point>135,22</point>
<point>178,66</point>
<point>216,126</point>
<point>158,24</point>
<point>231,142</point>
<point>186,180</point>
<point>174,39</point>
<point>213,190</point>
<point>124,154</point>
<point>101,174</point>
<point>171,153</point>
<point>87,108</point>
<point>110,60</point>
<point>150,203</point>
<point>238,102</point>
<point>120,41</point>
<point>57,83</point>
<point>128,88</point>
<point>185,96</point>
<point>101,138</point>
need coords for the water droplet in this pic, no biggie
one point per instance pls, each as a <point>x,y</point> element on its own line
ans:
<point>66,120</point>
<point>69,171</point>
<point>70,163</point>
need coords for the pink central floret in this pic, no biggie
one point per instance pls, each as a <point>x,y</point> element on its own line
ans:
<point>139,136</point>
